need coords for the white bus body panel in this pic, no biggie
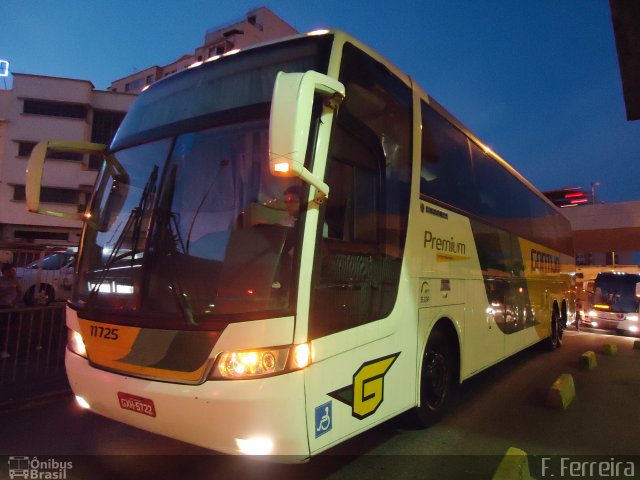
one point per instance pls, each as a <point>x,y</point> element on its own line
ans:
<point>451,286</point>
<point>212,415</point>
<point>374,364</point>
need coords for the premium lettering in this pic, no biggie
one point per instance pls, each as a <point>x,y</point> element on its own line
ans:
<point>443,244</point>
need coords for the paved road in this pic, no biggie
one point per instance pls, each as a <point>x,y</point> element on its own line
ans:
<point>498,409</point>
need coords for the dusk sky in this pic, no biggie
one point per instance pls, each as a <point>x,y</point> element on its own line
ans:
<point>536,81</point>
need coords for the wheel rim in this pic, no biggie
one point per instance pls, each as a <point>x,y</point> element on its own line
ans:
<point>436,379</point>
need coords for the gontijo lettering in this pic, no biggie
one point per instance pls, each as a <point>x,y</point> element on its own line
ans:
<point>544,262</point>
<point>444,244</point>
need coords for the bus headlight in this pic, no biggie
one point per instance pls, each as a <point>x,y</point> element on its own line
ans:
<point>76,344</point>
<point>593,313</point>
<point>633,318</point>
<point>244,364</point>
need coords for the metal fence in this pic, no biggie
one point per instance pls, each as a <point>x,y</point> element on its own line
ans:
<point>32,345</point>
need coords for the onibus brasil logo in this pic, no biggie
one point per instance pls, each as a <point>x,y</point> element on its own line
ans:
<point>36,469</point>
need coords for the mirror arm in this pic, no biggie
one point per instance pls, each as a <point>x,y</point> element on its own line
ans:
<point>290,122</point>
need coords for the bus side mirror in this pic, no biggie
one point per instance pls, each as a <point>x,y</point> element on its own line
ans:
<point>638,289</point>
<point>35,169</point>
<point>291,108</point>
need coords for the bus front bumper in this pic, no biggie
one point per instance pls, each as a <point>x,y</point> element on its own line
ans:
<point>254,417</point>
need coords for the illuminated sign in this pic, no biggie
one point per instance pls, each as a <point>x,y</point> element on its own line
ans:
<point>4,68</point>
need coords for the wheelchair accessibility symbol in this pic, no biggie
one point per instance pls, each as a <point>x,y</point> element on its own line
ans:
<point>324,419</point>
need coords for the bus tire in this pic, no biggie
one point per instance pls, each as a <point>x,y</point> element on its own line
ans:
<point>436,380</point>
<point>555,339</point>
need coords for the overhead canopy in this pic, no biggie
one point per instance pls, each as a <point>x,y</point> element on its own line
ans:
<point>625,15</point>
<point>608,227</point>
<point>612,240</point>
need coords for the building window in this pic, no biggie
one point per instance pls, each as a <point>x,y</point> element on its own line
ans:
<point>29,235</point>
<point>149,80</point>
<point>105,125</point>
<point>25,149</point>
<point>584,259</point>
<point>253,20</point>
<point>50,195</point>
<point>137,84</point>
<point>217,50</point>
<point>55,109</point>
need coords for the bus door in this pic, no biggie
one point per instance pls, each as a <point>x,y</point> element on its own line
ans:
<point>363,367</point>
<point>363,363</point>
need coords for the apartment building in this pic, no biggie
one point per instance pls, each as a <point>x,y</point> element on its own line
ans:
<point>36,108</point>
<point>257,26</point>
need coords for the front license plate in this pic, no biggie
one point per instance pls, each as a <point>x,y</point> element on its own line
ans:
<point>137,404</point>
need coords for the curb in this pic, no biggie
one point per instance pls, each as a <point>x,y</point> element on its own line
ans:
<point>513,466</point>
<point>561,393</point>
<point>588,360</point>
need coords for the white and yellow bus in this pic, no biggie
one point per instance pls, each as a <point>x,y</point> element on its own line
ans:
<point>292,244</point>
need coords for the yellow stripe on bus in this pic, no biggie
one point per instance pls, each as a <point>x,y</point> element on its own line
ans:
<point>107,345</point>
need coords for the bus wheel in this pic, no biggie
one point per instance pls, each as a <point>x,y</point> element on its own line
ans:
<point>436,383</point>
<point>555,340</point>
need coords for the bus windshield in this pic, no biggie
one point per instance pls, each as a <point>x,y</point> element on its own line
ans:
<point>615,292</point>
<point>192,226</point>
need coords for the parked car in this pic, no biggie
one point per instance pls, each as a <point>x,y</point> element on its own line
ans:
<point>49,279</point>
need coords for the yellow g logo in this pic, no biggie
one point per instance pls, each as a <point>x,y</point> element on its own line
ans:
<point>366,393</point>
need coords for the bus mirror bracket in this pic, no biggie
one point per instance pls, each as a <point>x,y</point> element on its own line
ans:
<point>290,122</point>
<point>35,169</point>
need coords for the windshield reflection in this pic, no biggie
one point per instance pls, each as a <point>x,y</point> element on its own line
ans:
<point>214,236</point>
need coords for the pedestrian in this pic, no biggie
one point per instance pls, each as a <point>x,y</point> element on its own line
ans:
<point>292,203</point>
<point>10,289</point>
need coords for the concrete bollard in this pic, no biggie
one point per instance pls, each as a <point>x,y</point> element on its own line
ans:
<point>514,466</point>
<point>588,360</point>
<point>610,349</point>
<point>561,393</point>
<point>636,345</point>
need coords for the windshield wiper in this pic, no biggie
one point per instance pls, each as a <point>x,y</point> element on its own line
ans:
<point>168,240</point>
<point>134,224</point>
